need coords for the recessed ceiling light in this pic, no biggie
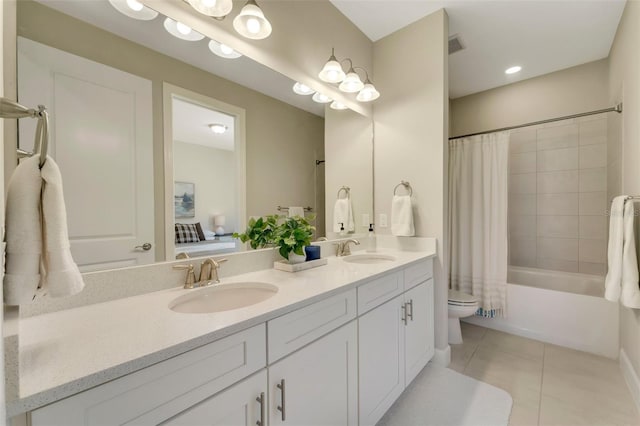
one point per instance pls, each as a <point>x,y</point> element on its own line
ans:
<point>513,70</point>
<point>182,31</point>
<point>134,9</point>
<point>223,50</point>
<point>218,128</point>
<point>320,98</point>
<point>302,89</point>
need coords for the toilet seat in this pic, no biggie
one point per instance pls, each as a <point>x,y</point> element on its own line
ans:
<point>457,298</point>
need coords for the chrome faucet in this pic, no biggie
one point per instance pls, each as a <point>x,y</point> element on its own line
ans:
<point>209,271</point>
<point>343,248</point>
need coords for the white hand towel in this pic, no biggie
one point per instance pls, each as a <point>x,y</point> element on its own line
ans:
<point>402,216</point>
<point>613,279</point>
<point>630,295</point>
<point>343,213</point>
<point>23,233</point>
<point>61,274</point>
<point>296,211</point>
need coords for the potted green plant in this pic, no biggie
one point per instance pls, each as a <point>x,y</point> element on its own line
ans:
<point>293,235</point>
<point>261,232</point>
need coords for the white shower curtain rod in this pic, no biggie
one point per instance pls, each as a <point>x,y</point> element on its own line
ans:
<point>617,108</point>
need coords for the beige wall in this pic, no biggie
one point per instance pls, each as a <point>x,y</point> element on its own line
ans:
<point>349,158</point>
<point>411,126</point>
<point>570,91</point>
<point>283,142</point>
<point>624,85</point>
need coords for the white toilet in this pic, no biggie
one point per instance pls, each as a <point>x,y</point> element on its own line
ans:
<point>460,305</point>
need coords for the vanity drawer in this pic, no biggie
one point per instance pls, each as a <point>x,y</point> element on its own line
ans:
<point>301,327</point>
<point>418,273</point>
<point>166,388</point>
<point>379,291</point>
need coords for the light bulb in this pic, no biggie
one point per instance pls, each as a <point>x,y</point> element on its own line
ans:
<point>135,5</point>
<point>209,3</point>
<point>368,93</point>
<point>182,28</point>
<point>226,49</point>
<point>351,83</point>
<point>215,8</point>
<point>253,25</point>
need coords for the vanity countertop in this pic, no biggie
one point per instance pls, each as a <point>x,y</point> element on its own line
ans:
<point>66,352</point>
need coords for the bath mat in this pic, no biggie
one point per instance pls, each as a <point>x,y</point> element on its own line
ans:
<point>439,396</point>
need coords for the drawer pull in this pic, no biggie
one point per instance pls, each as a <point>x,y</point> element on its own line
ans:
<point>410,310</point>
<point>281,408</point>
<point>404,313</point>
<point>260,399</point>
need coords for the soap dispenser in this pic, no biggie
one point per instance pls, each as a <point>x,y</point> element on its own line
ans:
<point>371,240</point>
<point>342,232</point>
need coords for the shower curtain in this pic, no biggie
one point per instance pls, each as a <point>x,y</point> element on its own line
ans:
<point>478,172</point>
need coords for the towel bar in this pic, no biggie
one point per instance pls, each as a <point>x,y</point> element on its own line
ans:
<point>11,109</point>
<point>281,209</point>
<point>406,185</point>
<point>346,190</point>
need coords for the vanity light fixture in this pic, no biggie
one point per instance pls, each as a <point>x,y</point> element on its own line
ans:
<point>351,82</point>
<point>302,89</point>
<point>181,31</point>
<point>214,8</point>
<point>251,22</point>
<point>320,98</point>
<point>134,9</point>
<point>513,70</point>
<point>368,92</point>
<point>332,70</point>
<point>337,105</point>
<point>218,128</point>
<point>223,50</point>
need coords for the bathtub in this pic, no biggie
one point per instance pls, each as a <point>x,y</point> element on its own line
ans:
<point>562,308</point>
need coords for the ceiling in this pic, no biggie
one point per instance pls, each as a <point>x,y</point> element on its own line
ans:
<point>191,125</point>
<point>542,36</point>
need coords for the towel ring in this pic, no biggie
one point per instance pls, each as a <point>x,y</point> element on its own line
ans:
<point>406,185</point>
<point>347,191</point>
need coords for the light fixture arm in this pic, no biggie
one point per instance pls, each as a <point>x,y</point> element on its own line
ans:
<point>366,74</point>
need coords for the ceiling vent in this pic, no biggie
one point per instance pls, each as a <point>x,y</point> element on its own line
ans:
<point>455,44</point>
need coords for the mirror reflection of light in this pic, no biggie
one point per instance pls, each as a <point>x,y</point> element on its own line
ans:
<point>209,3</point>
<point>182,28</point>
<point>226,49</point>
<point>135,5</point>
<point>302,89</point>
<point>513,70</point>
<point>253,25</point>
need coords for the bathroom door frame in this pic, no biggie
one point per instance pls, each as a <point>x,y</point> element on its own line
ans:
<point>170,92</point>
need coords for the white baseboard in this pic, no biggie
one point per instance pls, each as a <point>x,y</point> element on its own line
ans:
<point>631,377</point>
<point>442,357</point>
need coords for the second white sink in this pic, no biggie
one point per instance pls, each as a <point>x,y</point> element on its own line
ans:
<point>224,297</point>
<point>369,258</point>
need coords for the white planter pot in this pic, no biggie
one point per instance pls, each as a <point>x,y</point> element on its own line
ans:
<point>296,258</point>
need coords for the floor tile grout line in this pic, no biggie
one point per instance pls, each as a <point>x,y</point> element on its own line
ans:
<point>544,353</point>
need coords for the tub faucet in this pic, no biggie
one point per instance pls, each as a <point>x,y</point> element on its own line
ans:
<point>343,248</point>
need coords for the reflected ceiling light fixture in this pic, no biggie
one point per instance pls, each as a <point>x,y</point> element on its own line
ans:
<point>181,31</point>
<point>213,8</point>
<point>251,22</point>
<point>134,9</point>
<point>337,105</point>
<point>320,98</point>
<point>223,50</point>
<point>302,89</point>
<point>513,70</point>
<point>349,82</point>
<point>332,70</point>
<point>218,128</point>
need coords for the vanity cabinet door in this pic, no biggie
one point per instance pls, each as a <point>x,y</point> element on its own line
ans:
<point>419,335</point>
<point>381,359</point>
<point>236,406</point>
<point>317,385</point>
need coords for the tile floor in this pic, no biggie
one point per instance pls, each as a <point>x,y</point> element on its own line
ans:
<point>550,385</point>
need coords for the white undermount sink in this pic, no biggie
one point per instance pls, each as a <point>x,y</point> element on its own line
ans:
<point>223,297</point>
<point>369,258</point>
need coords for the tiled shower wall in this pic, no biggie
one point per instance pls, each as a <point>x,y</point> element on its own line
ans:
<point>558,196</point>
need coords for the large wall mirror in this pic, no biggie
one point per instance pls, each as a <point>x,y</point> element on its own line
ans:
<point>137,130</point>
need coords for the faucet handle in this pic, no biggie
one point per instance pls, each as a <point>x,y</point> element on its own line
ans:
<point>191,275</point>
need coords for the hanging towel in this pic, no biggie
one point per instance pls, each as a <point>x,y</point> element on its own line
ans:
<point>23,233</point>
<point>613,279</point>
<point>402,216</point>
<point>343,213</point>
<point>296,211</point>
<point>630,294</point>
<point>38,254</point>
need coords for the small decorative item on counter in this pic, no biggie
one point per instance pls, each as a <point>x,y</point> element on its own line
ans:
<point>371,240</point>
<point>313,252</point>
